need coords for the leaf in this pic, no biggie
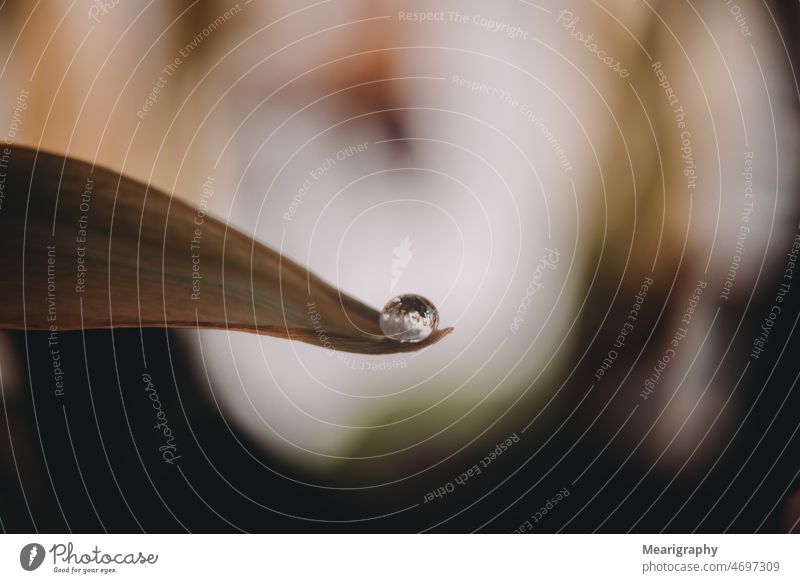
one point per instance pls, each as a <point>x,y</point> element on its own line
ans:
<point>85,247</point>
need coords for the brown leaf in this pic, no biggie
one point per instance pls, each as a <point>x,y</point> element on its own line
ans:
<point>85,247</point>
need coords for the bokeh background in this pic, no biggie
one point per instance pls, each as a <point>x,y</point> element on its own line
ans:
<point>537,170</point>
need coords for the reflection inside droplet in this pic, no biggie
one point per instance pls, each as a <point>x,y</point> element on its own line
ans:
<point>409,318</point>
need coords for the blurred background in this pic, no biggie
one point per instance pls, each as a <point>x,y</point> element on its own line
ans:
<point>600,197</point>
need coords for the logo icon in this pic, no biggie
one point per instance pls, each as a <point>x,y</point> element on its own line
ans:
<point>402,256</point>
<point>31,556</point>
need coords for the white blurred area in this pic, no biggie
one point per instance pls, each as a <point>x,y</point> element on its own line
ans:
<point>468,181</point>
<point>457,126</point>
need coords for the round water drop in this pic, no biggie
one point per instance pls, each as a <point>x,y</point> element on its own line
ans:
<point>409,318</point>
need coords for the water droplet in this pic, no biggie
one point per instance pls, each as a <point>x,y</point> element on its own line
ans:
<point>409,318</point>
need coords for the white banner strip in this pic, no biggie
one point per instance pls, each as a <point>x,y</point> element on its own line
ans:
<point>400,558</point>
